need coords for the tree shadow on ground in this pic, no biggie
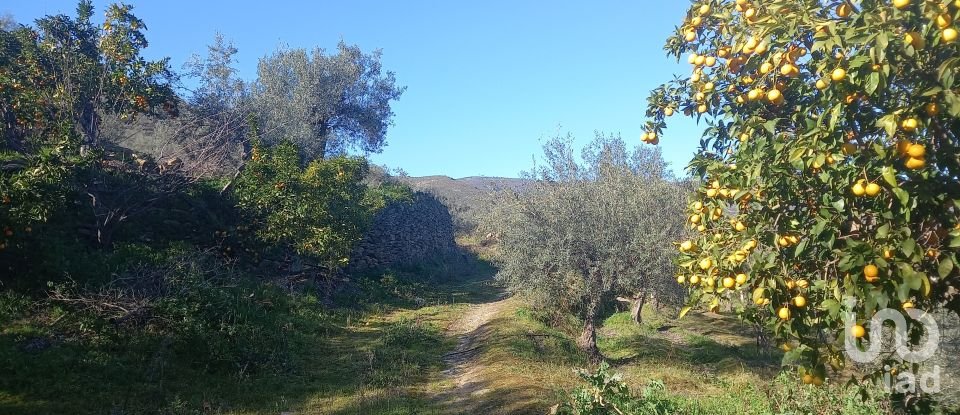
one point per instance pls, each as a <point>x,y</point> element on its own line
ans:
<point>713,343</point>
<point>360,360</point>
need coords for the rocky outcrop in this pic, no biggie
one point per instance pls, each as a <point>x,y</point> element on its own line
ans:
<point>407,233</point>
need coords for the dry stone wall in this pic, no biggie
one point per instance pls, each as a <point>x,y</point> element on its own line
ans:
<point>408,233</point>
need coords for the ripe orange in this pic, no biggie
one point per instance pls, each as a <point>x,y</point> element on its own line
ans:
<point>800,301</point>
<point>909,125</point>
<point>916,150</point>
<point>901,4</point>
<point>728,282</point>
<point>705,264</point>
<point>944,21</point>
<point>949,35</point>
<point>871,271</point>
<point>903,146</point>
<point>784,313</point>
<point>775,97</point>
<point>765,68</point>
<point>914,39</point>
<point>741,278</point>
<point>872,189</point>
<point>914,163</point>
<point>789,69</point>
<point>857,331</point>
<point>843,10</point>
<point>858,189</point>
<point>838,75</point>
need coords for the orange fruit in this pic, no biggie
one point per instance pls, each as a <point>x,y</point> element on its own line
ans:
<point>871,271</point>
<point>857,331</point>
<point>784,313</point>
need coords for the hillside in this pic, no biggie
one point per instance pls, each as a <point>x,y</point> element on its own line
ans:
<point>466,197</point>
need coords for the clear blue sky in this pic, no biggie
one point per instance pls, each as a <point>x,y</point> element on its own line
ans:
<point>486,81</point>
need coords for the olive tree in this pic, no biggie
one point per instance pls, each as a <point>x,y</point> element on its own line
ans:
<point>588,231</point>
<point>219,90</point>
<point>323,103</point>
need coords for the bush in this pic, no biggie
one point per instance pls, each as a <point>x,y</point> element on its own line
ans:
<point>317,212</point>
<point>606,393</point>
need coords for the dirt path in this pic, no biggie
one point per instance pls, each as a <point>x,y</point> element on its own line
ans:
<point>463,370</point>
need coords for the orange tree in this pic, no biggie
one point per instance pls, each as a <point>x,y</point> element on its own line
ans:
<point>316,212</point>
<point>829,164</point>
<point>57,79</point>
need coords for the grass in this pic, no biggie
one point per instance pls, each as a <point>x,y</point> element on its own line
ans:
<point>377,359</point>
<point>386,357</point>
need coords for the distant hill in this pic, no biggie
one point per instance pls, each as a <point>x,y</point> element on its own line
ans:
<point>466,187</point>
<point>468,197</point>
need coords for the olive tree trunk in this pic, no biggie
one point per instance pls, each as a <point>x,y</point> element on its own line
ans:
<point>588,337</point>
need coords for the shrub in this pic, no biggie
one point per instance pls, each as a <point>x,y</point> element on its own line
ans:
<point>317,212</point>
<point>607,394</point>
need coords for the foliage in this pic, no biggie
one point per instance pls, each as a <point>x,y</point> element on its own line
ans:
<point>318,211</point>
<point>219,91</point>
<point>606,393</point>
<point>92,71</point>
<point>829,163</point>
<point>56,80</point>
<point>325,104</point>
<point>584,233</point>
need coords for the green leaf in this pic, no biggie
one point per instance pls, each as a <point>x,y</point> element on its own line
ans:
<point>835,116</point>
<point>888,123</point>
<point>883,231</point>
<point>890,176</point>
<point>908,246</point>
<point>800,247</point>
<point>832,307</point>
<point>945,267</point>
<point>872,82</point>
<point>839,204</point>
<point>902,195</point>
<point>955,242</point>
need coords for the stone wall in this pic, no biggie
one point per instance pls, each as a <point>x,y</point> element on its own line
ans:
<point>420,231</point>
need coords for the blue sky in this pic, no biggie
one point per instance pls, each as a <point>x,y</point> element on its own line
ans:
<point>486,81</point>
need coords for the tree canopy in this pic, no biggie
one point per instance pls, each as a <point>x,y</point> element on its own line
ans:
<point>828,166</point>
<point>325,103</point>
<point>590,230</point>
